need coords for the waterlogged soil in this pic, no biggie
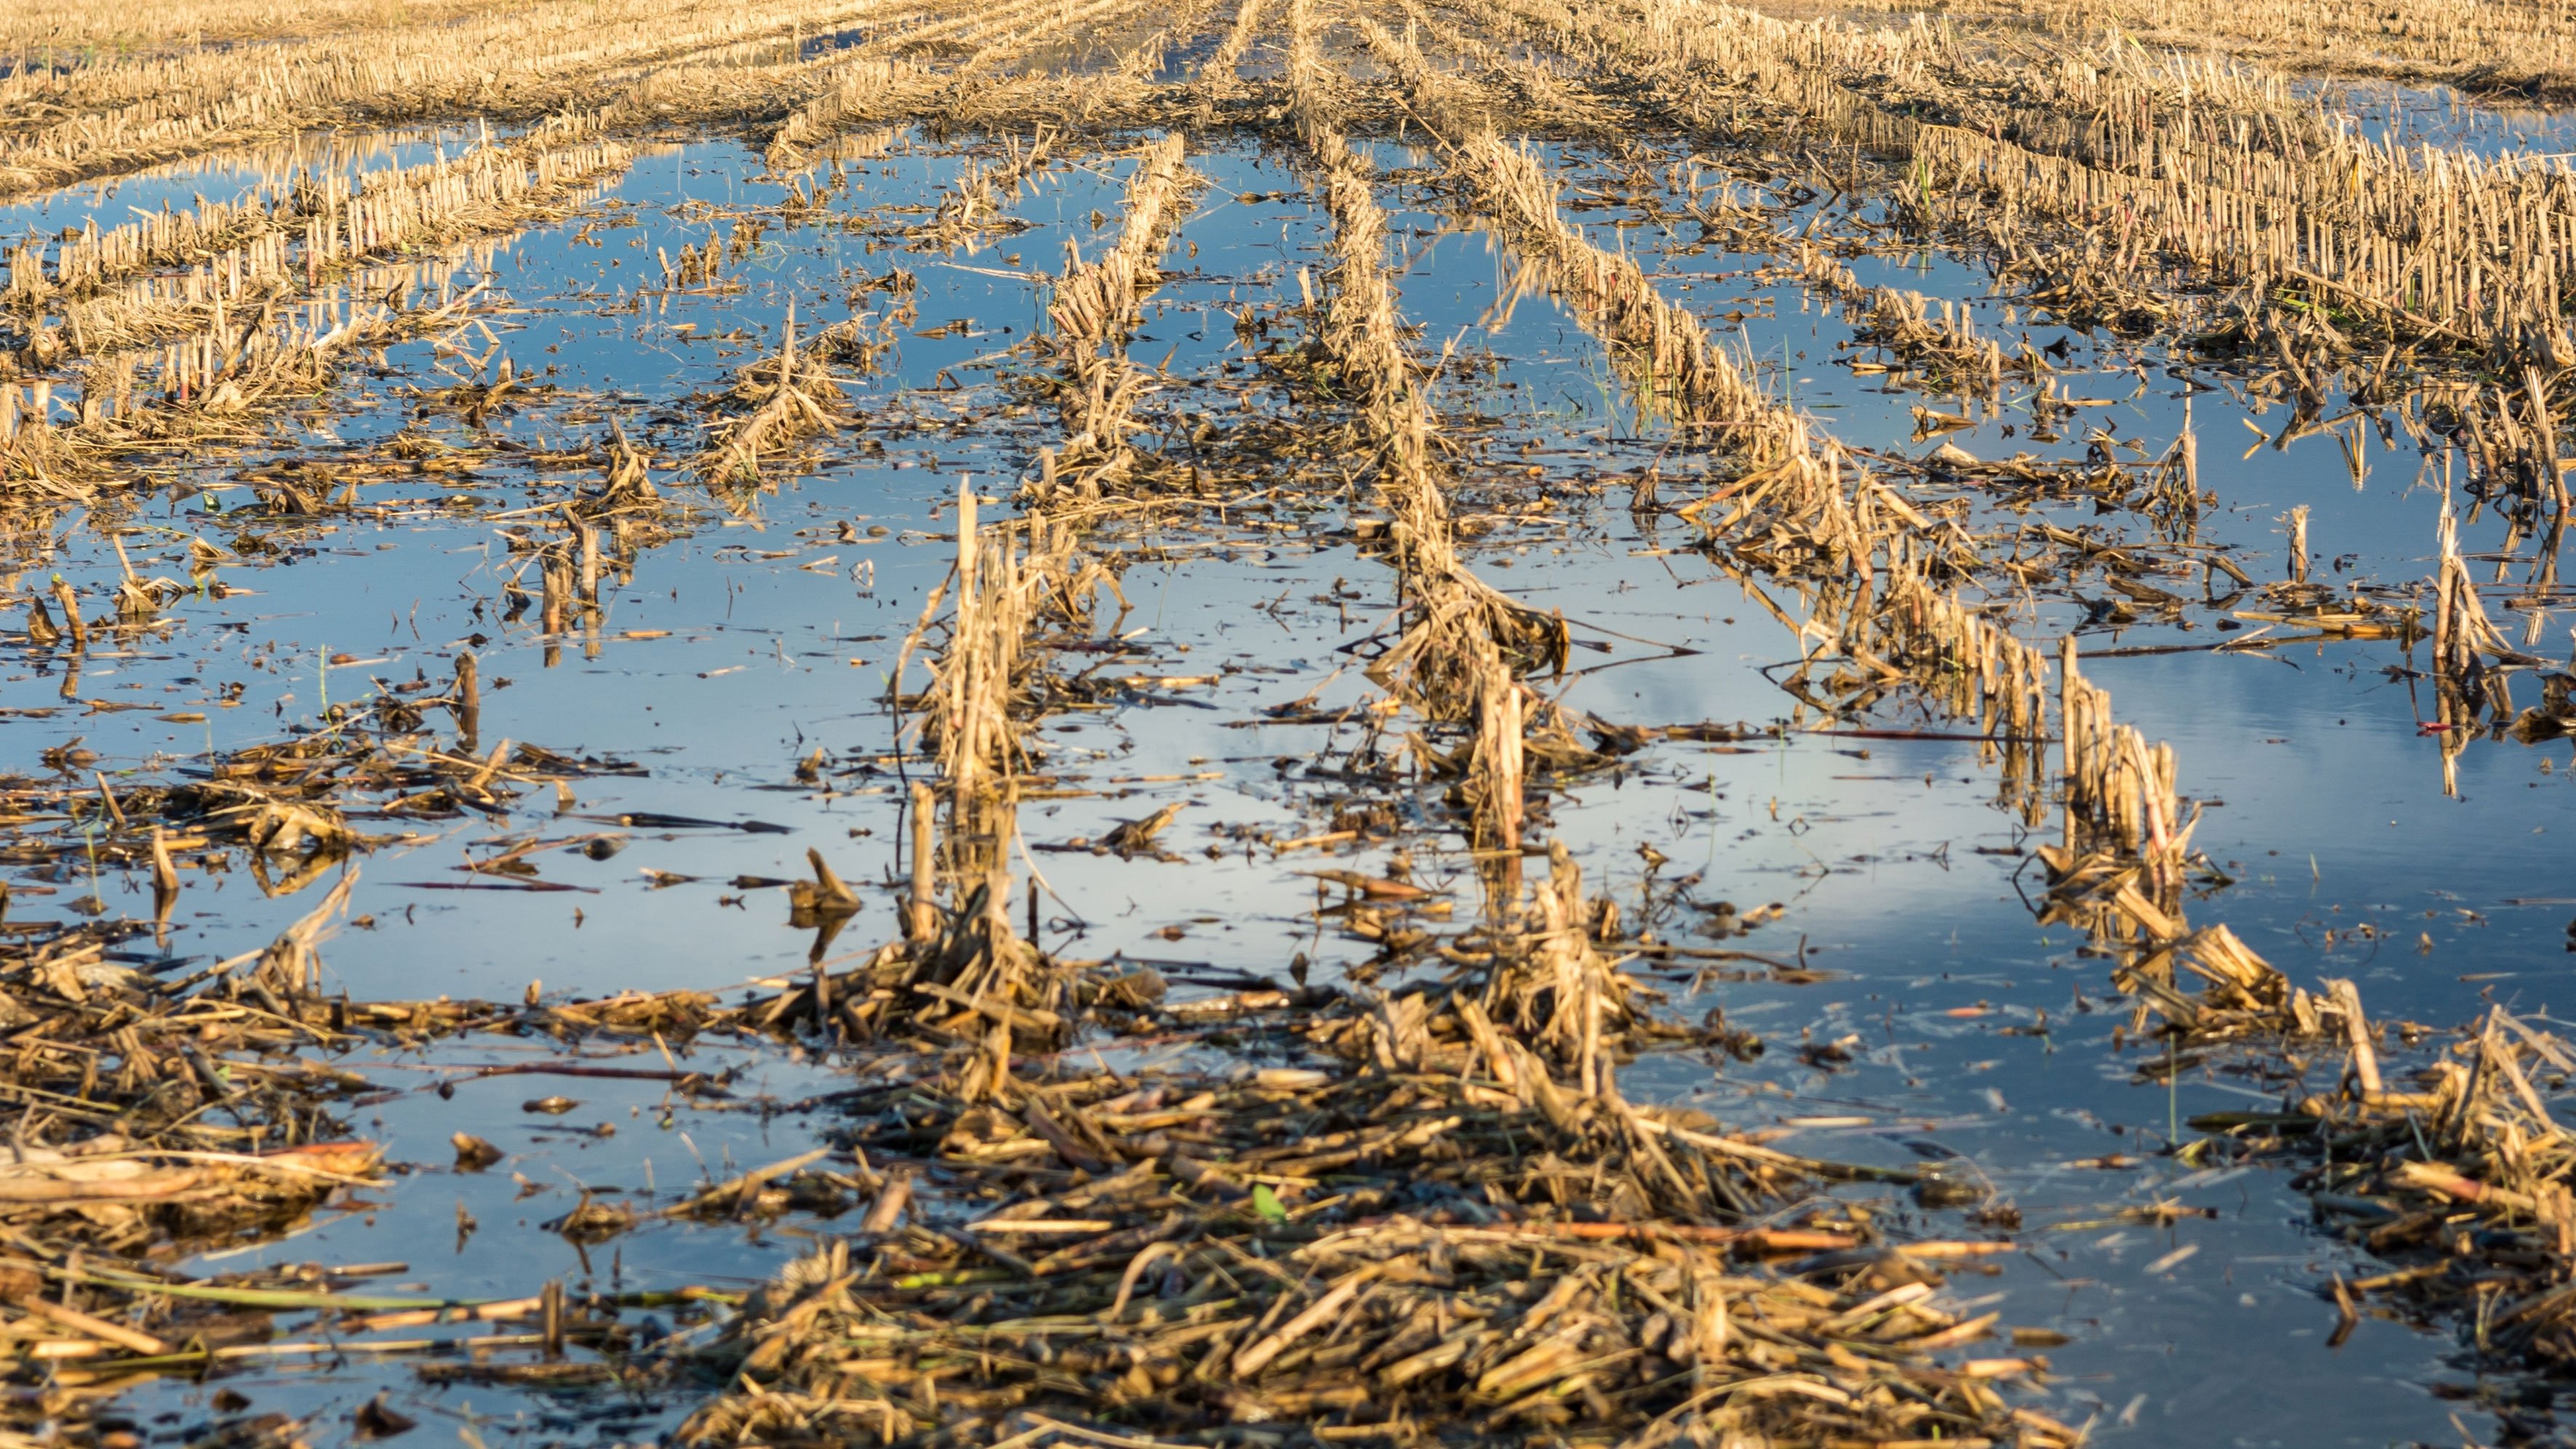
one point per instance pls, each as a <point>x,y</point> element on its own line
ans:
<point>1910,1005</point>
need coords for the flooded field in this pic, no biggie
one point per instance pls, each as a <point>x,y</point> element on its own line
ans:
<point>1279,725</point>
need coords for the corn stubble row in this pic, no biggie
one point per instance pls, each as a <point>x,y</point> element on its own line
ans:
<point>93,301</point>
<point>312,271</point>
<point>2506,50</point>
<point>497,62</point>
<point>1465,645</point>
<point>334,214</point>
<point>2213,168</point>
<point>643,61</point>
<point>1094,312</point>
<point>892,77</point>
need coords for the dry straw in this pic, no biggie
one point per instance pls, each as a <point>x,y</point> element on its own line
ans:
<point>775,403</point>
<point>503,62</point>
<point>1503,1084</point>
